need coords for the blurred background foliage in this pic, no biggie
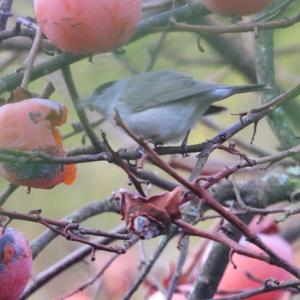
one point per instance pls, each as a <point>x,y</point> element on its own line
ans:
<point>97,180</point>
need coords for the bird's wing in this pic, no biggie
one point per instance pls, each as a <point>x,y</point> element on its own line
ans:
<point>151,89</point>
<point>105,96</point>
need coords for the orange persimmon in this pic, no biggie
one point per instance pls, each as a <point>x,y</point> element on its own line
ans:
<point>30,125</point>
<point>93,26</point>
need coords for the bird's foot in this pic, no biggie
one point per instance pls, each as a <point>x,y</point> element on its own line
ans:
<point>184,145</point>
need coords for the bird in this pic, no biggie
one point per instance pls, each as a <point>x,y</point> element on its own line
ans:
<point>161,106</point>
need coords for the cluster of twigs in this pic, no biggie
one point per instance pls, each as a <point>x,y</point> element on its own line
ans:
<point>200,193</point>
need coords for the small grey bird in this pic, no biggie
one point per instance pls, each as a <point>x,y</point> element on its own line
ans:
<point>162,106</point>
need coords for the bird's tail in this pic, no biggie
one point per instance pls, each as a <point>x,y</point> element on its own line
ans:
<point>247,88</point>
<point>225,91</point>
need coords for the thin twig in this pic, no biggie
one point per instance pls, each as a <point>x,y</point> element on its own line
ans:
<point>66,71</point>
<point>148,267</point>
<point>91,209</point>
<point>62,265</point>
<point>95,278</point>
<point>29,61</point>
<point>7,192</point>
<point>201,192</point>
<point>247,27</point>
<point>266,288</point>
<point>180,263</point>
<point>259,151</point>
<point>5,13</point>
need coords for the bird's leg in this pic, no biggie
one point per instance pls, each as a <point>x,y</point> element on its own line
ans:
<point>184,144</point>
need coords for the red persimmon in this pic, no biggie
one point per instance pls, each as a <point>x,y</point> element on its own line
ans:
<point>238,279</point>
<point>15,264</point>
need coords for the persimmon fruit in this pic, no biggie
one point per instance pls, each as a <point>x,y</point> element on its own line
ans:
<point>86,27</point>
<point>237,279</point>
<point>31,125</point>
<point>15,264</point>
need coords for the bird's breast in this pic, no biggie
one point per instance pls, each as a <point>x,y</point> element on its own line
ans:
<point>164,123</point>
